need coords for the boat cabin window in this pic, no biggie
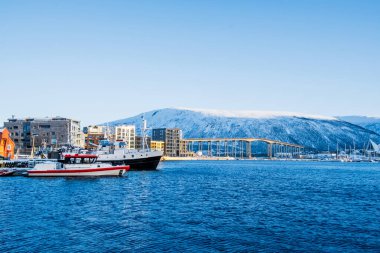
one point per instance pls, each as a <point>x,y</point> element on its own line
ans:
<point>81,160</point>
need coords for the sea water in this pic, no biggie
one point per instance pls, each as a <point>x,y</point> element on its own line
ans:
<point>198,206</point>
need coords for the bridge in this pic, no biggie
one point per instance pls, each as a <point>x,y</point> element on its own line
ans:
<point>238,147</point>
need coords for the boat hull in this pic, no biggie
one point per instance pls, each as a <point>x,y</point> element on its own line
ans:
<point>145,163</point>
<point>7,173</point>
<point>94,172</point>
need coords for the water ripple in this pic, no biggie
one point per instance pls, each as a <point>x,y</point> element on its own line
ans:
<point>239,206</point>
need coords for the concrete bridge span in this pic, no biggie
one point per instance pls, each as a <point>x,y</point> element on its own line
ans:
<point>238,147</point>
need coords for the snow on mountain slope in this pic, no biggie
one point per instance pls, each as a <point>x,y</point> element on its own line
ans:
<point>256,114</point>
<point>312,131</point>
<point>370,123</point>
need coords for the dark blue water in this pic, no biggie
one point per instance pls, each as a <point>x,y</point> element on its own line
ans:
<point>198,207</point>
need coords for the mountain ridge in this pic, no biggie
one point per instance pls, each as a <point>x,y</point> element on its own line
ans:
<point>370,123</point>
<point>319,132</point>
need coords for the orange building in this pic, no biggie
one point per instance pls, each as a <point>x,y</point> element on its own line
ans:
<point>7,146</point>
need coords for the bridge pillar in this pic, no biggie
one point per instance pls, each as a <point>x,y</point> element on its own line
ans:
<point>241,149</point>
<point>270,154</point>
<point>248,148</point>
<point>286,151</point>
<point>275,149</point>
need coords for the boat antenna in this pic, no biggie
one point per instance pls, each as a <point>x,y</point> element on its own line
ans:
<point>143,132</point>
<point>106,132</point>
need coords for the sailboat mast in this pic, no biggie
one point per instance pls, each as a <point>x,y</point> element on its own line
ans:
<point>337,149</point>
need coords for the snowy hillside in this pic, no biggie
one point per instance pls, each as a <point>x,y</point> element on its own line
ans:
<point>307,130</point>
<point>370,123</point>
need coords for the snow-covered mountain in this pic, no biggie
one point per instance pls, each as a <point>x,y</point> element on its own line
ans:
<point>318,132</point>
<point>370,123</point>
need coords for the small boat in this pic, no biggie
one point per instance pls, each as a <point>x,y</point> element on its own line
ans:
<point>77,165</point>
<point>7,173</point>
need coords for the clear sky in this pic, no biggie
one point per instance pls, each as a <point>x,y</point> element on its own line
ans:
<point>105,60</point>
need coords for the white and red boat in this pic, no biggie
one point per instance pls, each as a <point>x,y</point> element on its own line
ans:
<point>77,165</point>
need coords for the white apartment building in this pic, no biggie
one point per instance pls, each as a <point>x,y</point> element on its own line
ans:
<point>126,133</point>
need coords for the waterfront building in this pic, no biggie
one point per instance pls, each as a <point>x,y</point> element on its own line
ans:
<point>157,145</point>
<point>93,136</point>
<point>172,139</point>
<point>7,146</point>
<point>184,151</point>
<point>92,140</point>
<point>80,141</point>
<point>47,132</point>
<point>94,130</point>
<point>126,133</point>
<point>159,134</point>
<point>139,142</point>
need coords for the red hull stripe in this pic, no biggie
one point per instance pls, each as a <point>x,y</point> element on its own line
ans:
<point>80,156</point>
<point>78,171</point>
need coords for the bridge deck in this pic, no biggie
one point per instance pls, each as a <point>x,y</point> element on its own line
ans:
<point>242,139</point>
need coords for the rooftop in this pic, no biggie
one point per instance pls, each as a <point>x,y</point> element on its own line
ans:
<point>13,119</point>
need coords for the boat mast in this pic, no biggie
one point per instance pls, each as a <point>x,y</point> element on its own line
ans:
<point>143,132</point>
<point>337,149</point>
<point>106,134</point>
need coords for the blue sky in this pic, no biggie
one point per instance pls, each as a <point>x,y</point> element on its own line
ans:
<point>105,60</point>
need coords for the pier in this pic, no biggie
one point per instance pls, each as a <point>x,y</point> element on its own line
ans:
<point>238,147</point>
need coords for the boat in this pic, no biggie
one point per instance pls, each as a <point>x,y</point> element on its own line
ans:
<point>76,165</point>
<point>21,166</point>
<point>7,173</point>
<point>116,153</point>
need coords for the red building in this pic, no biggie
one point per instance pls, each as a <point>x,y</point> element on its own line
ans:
<point>7,146</point>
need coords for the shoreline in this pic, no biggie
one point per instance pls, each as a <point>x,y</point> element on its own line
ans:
<point>206,158</point>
